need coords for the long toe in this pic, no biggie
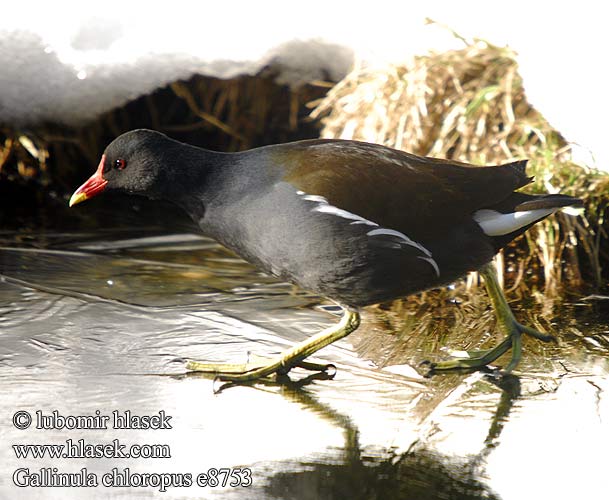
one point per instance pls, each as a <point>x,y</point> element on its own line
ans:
<point>257,367</point>
<point>475,360</point>
<point>544,337</point>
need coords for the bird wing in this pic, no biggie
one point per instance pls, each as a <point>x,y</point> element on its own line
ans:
<point>397,190</point>
<point>381,238</point>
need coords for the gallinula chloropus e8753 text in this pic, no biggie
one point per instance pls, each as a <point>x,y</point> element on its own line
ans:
<point>355,222</point>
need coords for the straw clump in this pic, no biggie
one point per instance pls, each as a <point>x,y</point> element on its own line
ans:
<point>470,105</point>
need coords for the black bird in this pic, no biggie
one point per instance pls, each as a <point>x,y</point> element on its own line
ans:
<point>355,222</point>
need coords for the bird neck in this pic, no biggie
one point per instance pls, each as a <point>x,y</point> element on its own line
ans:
<point>192,181</point>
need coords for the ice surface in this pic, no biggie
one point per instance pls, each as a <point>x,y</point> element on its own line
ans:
<point>68,62</point>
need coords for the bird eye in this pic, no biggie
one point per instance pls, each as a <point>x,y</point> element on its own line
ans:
<point>120,164</point>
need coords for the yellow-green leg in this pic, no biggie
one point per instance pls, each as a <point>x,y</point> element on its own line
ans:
<point>291,358</point>
<point>507,321</point>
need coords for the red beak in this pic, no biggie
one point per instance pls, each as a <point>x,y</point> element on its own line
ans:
<point>95,185</point>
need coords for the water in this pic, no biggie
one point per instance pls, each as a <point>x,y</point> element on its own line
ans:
<point>104,321</point>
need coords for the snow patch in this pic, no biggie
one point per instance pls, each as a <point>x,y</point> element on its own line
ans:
<point>68,62</point>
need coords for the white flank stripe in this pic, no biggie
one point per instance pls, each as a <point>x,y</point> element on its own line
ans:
<point>316,198</point>
<point>433,263</point>
<point>392,232</point>
<point>365,221</point>
<point>495,223</point>
<point>324,207</point>
<point>331,209</point>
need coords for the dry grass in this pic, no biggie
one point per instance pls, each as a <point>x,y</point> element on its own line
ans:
<point>22,156</point>
<point>41,165</point>
<point>470,105</point>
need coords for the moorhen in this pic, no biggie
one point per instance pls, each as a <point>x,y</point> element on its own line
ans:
<point>355,222</point>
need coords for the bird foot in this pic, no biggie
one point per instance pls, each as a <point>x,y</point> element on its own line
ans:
<point>256,367</point>
<point>480,359</point>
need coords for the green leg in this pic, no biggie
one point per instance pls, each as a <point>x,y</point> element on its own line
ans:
<point>292,358</point>
<point>507,321</point>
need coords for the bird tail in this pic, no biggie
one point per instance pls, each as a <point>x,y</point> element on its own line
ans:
<point>517,213</point>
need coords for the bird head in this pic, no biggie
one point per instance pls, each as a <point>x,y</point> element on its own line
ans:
<point>136,162</point>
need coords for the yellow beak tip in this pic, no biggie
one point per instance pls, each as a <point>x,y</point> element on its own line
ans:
<point>77,198</point>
